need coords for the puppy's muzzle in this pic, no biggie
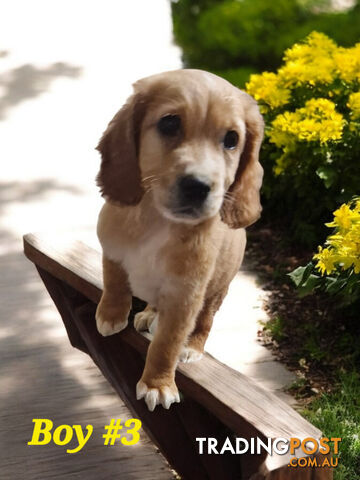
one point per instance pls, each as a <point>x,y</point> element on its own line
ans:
<point>192,193</point>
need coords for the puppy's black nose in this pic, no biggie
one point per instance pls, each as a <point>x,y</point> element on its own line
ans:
<point>192,191</point>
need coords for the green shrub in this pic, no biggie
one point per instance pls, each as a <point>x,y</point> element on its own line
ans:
<point>222,35</point>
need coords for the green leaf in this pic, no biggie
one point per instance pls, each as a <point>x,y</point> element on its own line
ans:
<point>334,285</point>
<point>327,174</point>
<point>301,274</point>
<point>309,286</point>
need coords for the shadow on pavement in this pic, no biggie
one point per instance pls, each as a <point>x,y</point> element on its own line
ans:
<point>28,81</point>
<point>42,376</point>
<point>13,191</point>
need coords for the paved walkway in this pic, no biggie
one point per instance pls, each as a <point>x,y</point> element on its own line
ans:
<point>65,68</point>
<point>233,338</point>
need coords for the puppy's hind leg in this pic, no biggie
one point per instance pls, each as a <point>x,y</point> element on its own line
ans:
<point>146,320</point>
<point>114,307</point>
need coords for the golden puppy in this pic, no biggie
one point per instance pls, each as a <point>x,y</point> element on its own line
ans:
<point>181,179</point>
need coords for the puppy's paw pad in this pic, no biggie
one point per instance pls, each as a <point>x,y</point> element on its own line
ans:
<point>164,396</point>
<point>189,354</point>
<point>143,320</point>
<point>106,328</point>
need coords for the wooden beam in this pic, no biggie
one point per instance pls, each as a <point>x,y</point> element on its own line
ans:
<point>72,273</point>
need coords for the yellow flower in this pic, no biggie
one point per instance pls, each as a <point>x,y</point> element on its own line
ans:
<point>326,260</point>
<point>354,104</point>
<point>317,121</point>
<point>342,218</point>
<point>316,70</point>
<point>343,247</point>
<point>347,63</point>
<point>314,41</point>
<point>309,62</point>
<point>266,88</point>
<point>318,60</point>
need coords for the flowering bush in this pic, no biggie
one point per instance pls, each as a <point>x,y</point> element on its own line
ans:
<point>311,152</point>
<point>336,267</point>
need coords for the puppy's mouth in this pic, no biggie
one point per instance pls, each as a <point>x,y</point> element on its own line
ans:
<point>188,211</point>
<point>190,214</point>
<point>185,214</point>
<point>190,200</point>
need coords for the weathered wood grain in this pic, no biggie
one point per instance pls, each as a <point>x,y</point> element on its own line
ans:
<point>41,376</point>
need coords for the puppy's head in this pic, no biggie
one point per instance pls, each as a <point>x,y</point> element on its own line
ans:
<point>191,140</point>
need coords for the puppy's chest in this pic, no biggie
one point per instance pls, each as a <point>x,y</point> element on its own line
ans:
<point>144,263</point>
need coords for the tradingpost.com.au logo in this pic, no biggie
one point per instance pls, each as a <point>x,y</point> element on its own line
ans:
<point>299,449</point>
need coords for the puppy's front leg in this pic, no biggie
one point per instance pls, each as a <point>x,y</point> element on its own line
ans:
<point>176,321</point>
<point>114,307</point>
<point>194,348</point>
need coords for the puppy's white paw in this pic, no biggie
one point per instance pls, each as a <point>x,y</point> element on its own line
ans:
<point>164,396</point>
<point>153,325</point>
<point>189,354</point>
<point>144,321</point>
<point>106,328</point>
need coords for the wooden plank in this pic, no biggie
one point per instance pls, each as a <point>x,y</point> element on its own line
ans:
<point>235,400</point>
<point>64,305</point>
<point>73,262</point>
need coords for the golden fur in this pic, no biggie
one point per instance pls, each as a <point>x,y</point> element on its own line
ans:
<point>181,264</point>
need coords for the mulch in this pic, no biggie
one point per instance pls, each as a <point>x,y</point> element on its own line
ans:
<point>313,337</point>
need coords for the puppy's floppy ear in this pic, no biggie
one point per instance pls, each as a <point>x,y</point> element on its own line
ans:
<point>242,207</point>
<point>119,177</point>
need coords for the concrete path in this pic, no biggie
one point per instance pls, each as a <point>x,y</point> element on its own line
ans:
<point>234,341</point>
<point>65,69</point>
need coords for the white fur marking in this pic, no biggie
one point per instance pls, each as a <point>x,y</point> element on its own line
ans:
<point>105,328</point>
<point>155,396</point>
<point>142,263</point>
<point>189,354</point>
<point>143,320</point>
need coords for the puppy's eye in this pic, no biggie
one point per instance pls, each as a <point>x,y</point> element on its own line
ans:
<point>169,125</point>
<point>231,139</point>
